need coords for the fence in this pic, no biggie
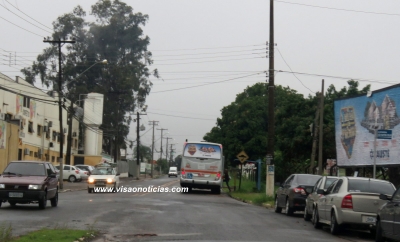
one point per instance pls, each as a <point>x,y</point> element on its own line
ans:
<point>122,166</point>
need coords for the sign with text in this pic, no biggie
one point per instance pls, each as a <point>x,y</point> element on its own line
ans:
<point>357,119</point>
<point>384,134</point>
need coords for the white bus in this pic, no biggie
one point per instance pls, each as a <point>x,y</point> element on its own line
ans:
<point>202,166</point>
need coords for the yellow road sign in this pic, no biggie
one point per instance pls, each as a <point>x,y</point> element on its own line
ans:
<point>242,156</point>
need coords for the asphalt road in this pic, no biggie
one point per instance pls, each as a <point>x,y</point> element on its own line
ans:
<point>196,216</point>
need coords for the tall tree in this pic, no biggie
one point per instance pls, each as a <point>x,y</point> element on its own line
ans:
<point>117,36</point>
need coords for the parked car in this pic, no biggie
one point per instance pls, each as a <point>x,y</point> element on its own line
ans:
<point>292,194</point>
<point>388,219</point>
<point>103,177</point>
<point>351,201</point>
<point>323,183</point>
<point>70,173</point>
<point>29,182</point>
<point>84,174</point>
<point>87,168</point>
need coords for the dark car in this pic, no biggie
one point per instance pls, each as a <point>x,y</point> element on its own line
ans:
<point>29,182</point>
<point>388,219</point>
<point>292,194</point>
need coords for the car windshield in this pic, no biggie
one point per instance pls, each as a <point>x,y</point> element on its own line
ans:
<point>102,171</point>
<point>307,180</point>
<point>370,186</point>
<point>25,169</point>
<point>329,181</point>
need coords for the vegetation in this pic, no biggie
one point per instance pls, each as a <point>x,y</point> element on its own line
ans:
<point>115,35</point>
<point>244,126</point>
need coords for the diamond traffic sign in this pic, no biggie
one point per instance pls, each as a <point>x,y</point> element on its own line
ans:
<point>242,156</point>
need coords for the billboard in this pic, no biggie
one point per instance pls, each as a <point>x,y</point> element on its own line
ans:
<point>355,122</point>
<point>203,151</point>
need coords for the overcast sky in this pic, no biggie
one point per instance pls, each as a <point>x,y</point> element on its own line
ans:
<point>222,43</point>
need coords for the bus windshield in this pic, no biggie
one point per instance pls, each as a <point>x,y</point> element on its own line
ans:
<point>204,151</point>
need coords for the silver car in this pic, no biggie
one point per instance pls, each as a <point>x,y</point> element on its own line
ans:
<point>351,201</point>
<point>322,183</point>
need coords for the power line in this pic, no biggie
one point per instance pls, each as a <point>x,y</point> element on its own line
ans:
<point>210,48</point>
<point>339,9</point>
<point>28,15</point>
<point>184,63</point>
<point>181,116</point>
<point>209,83</point>
<point>21,27</point>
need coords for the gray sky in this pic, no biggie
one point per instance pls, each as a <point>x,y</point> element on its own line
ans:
<point>221,42</point>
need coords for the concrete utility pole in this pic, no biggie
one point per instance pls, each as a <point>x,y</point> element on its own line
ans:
<point>161,147</point>
<point>152,147</point>
<point>321,128</point>
<point>270,177</point>
<point>271,85</point>
<point>315,138</point>
<point>60,157</point>
<point>166,152</point>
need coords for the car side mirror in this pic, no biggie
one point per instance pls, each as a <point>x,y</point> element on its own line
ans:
<point>321,191</point>
<point>53,175</point>
<point>384,197</point>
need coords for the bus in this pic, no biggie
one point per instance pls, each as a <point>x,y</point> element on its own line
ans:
<point>202,166</point>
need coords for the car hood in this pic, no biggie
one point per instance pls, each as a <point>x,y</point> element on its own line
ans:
<point>102,176</point>
<point>22,179</point>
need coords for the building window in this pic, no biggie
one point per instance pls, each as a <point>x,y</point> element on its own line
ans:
<point>46,157</point>
<point>58,137</point>
<point>21,124</point>
<point>35,155</point>
<point>48,134</point>
<point>39,130</point>
<point>76,143</point>
<point>30,127</point>
<point>30,153</point>
<point>53,159</point>
<point>27,102</point>
<point>8,117</point>
<point>54,135</point>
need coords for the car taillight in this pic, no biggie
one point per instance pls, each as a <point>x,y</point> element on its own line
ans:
<point>347,201</point>
<point>85,172</point>
<point>299,190</point>
<point>76,171</point>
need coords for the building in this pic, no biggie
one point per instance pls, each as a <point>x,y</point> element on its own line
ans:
<point>30,128</point>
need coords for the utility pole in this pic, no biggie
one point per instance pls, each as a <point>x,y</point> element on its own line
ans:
<point>152,147</point>
<point>60,157</point>
<point>315,138</point>
<point>137,145</point>
<point>166,152</point>
<point>117,135</point>
<point>271,84</point>
<point>321,128</point>
<point>69,135</point>
<point>161,147</point>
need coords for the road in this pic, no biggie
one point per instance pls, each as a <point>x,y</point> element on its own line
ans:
<point>196,216</point>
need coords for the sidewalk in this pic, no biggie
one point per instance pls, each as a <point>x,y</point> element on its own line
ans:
<point>80,186</point>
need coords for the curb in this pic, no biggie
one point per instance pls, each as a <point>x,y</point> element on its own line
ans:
<point>264,205</point>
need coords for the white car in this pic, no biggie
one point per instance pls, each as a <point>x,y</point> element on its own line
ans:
<point>103,177</point>
<point>84,174</point>
<point>70,173</point>
<point>173,171</point>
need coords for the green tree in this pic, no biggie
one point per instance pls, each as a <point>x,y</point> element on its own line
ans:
<point>178,162</point>
<point>117,36</point>
<point>144,153</point>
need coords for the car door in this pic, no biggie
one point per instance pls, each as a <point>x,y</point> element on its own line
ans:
<point>313,196</point>
<point>322,201</point>
<point>67,172</point>
<point>395,204</point>
<point>284,191</point>
<point>51,181</point>
<point>333,199</point>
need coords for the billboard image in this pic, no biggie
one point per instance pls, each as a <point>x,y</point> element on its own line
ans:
<point>355,122</point>
<point>196,150</point>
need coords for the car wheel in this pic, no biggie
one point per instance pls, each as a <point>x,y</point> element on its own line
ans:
<point>315,218</point>
<point>12,204</point>
<point>0,203</point>
<point>288,210</point>
<point>43,201</point>
<point>307,216</point>
<point>54,200</point>
<point>277,209</point>
<point>335,228</point>
<point>89,190</point>
<point>72,179</point>
<point>378,234</point>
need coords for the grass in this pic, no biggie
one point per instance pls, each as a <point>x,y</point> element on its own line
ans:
<point>248,192</point>
<point>60,233</point>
